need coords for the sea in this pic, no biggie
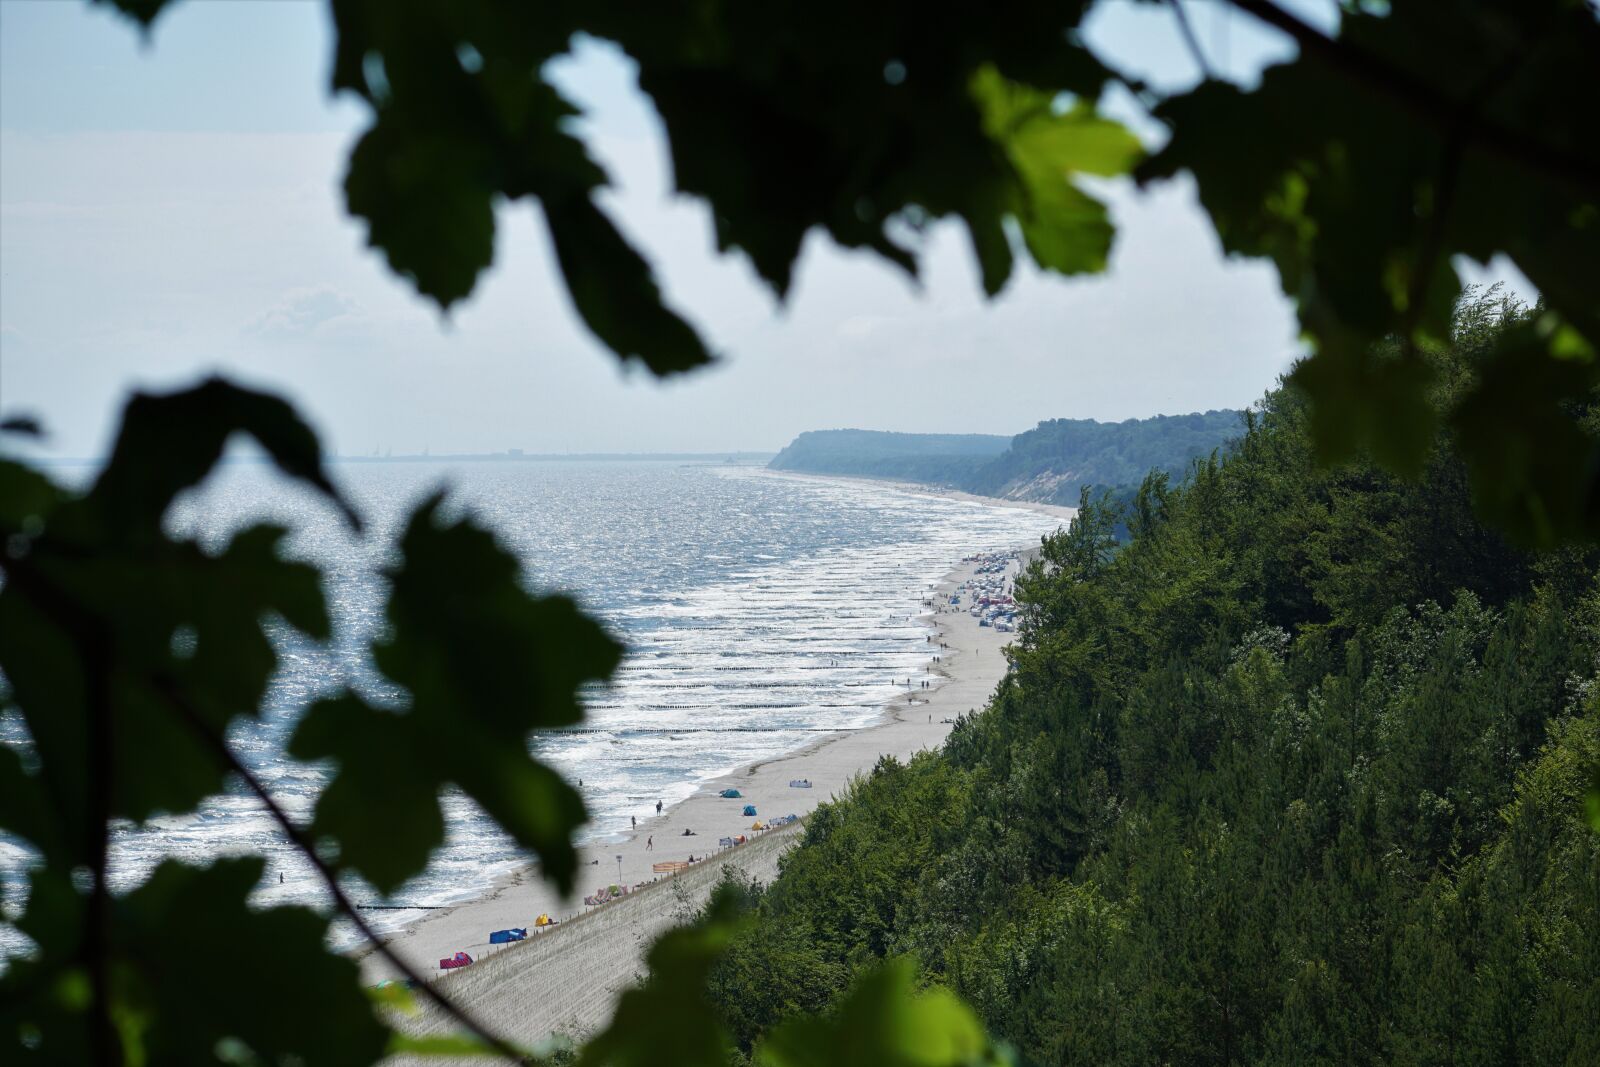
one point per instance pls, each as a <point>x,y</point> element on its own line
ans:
<point>759,610</point>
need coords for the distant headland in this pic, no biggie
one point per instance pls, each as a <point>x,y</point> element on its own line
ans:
<point>1048,464</point>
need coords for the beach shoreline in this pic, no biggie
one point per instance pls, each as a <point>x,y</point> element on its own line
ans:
<point>567,978</point>
<point>960,682</point>
<point>1060,511</point>
<point>918,719</point>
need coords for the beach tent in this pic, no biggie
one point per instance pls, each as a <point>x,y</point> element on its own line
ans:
<point>505,937</point>
<point>730,793</point>
<point>460,959</point>
<point>749,809</point>
<point>544,920</point>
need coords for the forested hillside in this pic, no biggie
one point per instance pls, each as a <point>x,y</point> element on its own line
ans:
<point>1057,459</point>
<point>946,459</point>
<point>1295,776</point>
<point>1051,463</point>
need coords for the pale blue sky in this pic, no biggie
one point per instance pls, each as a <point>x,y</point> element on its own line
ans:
<point>170,206</point>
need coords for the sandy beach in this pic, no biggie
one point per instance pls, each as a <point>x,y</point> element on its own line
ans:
<point>566,980</point>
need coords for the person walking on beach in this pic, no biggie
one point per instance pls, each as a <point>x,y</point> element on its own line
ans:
<point>658,807</point>
<point>649,843</point>
<point>635,820</point>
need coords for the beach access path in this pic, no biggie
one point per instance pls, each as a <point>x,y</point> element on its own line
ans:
<point>567,980</point>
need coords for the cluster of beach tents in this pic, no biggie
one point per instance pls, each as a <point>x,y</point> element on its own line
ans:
<point>501,937</point>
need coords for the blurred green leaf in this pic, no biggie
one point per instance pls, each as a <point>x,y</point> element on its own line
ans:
<point>667,1019</point>
<point>162,632</point>
<point>450,138</point>
<point>103,615</point>
<point>1376,398</point>
<point>196,965</point>
<point>783,125</point>
<point>191,964</point>
<point>485,664</point>
<point>883,1022</point>
<point>167,443</point>
<point>426,207</point>
<point>25,809</point>
<point>142,11</point>
<point>1065,229</point>
<point>1536,469</point>
<point>26,500</point>
<point>614,292</point>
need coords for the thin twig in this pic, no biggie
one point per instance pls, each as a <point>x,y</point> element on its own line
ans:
<point>330,879</point>
<point>1191,40</point>
<point>1425,99</point>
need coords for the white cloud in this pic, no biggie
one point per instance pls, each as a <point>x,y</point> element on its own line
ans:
<point>304,313</point>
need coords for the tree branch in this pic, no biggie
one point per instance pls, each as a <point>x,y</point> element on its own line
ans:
<point>1425,100</point>
<point>330,879</point>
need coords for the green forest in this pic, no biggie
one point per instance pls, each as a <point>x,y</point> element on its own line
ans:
<point>1058,459</point>
<point>1294,776</point>
<point>1051,463</point>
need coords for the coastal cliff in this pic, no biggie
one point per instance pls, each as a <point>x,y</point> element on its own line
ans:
<point>1050,463</point>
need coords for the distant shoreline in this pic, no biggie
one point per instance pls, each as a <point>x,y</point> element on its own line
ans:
<point>721,459</point>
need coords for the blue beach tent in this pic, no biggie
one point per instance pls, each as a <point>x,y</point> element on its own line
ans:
<point>505,937</point>
<point>749,809</point>
<point>730,793</point>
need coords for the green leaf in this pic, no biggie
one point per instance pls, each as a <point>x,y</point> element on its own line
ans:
<point>1376,398</point>
<point>197,965</point>
<point>191,964</point>
<point>614,292</point>
<point>485,664</point>
<point>1065,229</point>
<point>25,809</point>
<point>26,500</point>
<point>1535,468</point>
<point>167,637</point>
<point>168,443</point>
<point>883,1022</point>
<point>113,634</point>
<point>784,125</point>
<point>667,1019</point>
<point>427,207</point>
<point>383,805</point>
<point>1362,197</point>
<point>143,12</point>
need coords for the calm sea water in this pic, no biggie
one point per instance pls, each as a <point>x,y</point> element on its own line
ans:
<point>758,610</point>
